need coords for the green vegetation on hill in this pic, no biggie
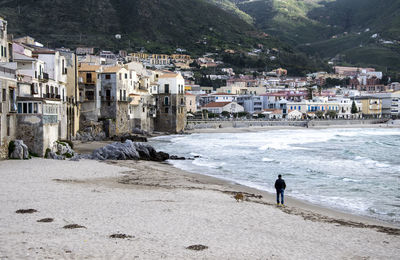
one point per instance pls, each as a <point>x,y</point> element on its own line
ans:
<point>305,32</point>
<point>331,28</point>
<point>157,25</point>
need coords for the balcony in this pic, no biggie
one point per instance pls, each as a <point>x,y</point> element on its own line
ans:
<point>44,77</point>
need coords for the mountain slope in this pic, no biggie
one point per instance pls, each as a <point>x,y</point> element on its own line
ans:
<point>344,29</point>
<point>151,23</point>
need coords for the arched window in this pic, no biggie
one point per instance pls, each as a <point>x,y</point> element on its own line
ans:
<point>166,101</point>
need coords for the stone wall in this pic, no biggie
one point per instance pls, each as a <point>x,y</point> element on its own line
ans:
<point>202,124</point>
<point>123,123</point>
<point>30,130</point>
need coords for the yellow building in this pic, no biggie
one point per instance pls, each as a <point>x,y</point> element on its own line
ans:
<point>371,106</point>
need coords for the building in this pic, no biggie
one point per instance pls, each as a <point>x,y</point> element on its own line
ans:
<point>223,97</point>
<point>171,107</point>
<point>72,93</point>
<point>395,106</point>
<point>4,43</point>
<point>219,107</point>
<point>84,50</point>
<point>351,71</point>
<point>191,103</point>
<point>252,104</point>
<point>386,99</point>
<point>116,85</point>
<point>89,92</point>
<point>8,107</point>
<point>371,106</point>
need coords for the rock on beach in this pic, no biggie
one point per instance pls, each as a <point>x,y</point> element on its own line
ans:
<point>129,151</point>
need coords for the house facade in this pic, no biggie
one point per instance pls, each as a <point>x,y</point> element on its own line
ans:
<point>8,107</point>
<point>171,106</point>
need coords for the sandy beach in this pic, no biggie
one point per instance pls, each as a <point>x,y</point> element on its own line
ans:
<point>159,211</point>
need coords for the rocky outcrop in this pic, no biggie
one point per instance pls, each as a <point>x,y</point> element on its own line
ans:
<point>18,150</point>
<point>129,151</point>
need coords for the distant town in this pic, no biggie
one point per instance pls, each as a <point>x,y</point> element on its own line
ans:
<point>49,95</point>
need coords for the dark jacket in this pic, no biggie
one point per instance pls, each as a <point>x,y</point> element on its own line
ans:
<point>280,184</point>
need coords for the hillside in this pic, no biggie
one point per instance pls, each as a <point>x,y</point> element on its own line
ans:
<point>154,24</point>
<point>198,26</point>
<point>340,29</point>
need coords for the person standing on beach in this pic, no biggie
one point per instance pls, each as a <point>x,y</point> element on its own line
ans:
<point>280,187</point>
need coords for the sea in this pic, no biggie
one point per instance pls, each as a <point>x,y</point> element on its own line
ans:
<point>351,170</point>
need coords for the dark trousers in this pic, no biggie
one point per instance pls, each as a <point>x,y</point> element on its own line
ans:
<point>279,192</point>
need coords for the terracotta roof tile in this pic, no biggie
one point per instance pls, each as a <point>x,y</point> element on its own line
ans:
<point>217,104</point>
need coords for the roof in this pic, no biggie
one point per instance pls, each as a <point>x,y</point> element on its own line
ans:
<point>168,75</point>
<point>87,67</point>
<point>112,69</point>
<point>217,104</point>
<point>222,94</point>
<point>19,56</point>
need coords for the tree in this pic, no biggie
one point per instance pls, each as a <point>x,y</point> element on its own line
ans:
<point>319,114</point>
<point>309,93</point>
<point>331,114</point>
<point>225,113</point>
<point>354,109</point>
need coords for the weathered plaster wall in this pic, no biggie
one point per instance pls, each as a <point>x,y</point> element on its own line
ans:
<point>31,132</point>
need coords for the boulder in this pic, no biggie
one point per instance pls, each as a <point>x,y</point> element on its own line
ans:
<point>18,150</point>
<point>54,156</point>
<point>61,151</point>
<point>129,151</point>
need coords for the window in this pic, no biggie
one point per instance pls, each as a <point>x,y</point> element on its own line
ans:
<point>120,94</point>
<point>120,76</point>
<point>8,125</point>
<point>125,95</point>
<point>108,76</point>
<point>25,108</point>
<point>4,94</point>
<point>35,108</point>
<point>166,101</point>
<point>88,77</point>
<point>166,88</point>
<point>126,75</point>
<point>166,110</point>
<point>182,102</point>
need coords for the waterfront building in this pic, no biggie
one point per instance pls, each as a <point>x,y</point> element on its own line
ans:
<point>219,107</point>
<point>8,106</point>
<point>371,106</point>
<point>171,107</point>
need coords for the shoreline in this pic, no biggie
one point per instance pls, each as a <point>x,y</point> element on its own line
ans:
<point>160,211</point>
<point>84,147</point>
<point>270,199</point>
<point>269,128</point>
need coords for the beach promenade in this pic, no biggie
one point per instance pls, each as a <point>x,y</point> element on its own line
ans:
<point>158,212</point>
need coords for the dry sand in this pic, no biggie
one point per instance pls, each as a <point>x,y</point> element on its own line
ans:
<point>159,211</point>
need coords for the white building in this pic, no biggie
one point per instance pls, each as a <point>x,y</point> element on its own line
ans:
<point>219,107</point>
